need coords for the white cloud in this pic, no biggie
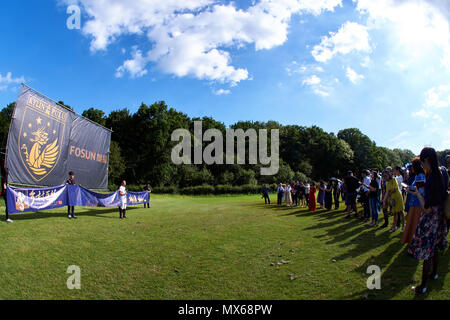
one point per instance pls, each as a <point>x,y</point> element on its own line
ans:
<point>438,97</point>
<point>295,68</point>
<point>419,27</point>
<point>351,37</point>
<point>399,140</point>
<point>353,76</point>
<point>8,80</point>
<point>319,88</point>
<point>135,66</point>
<point>321,91</point>
<point>193,37</point>
<point>221,92</point>
<point>422,113</point>
<point>310,81</point>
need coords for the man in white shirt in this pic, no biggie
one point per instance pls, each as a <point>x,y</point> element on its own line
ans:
<point>123,200</point>
<point>398,177</point>
<point>365,194</point>
<point>307,188</point>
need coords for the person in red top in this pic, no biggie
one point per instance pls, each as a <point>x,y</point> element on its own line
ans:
<point>312,197</point>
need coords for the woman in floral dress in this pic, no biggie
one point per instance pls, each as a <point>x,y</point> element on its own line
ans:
<point>431,232</point>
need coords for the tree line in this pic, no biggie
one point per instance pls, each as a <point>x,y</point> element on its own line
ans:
<point>141,149</point>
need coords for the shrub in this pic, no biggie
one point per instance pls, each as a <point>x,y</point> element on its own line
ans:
<point>198,190</point>
<point>168,189</point>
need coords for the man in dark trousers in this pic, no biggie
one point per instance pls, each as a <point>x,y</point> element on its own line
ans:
<point>280,191</point>
<point>3,190</point>
<point>147,188</point>
<point>351,184</point>
<point>265,193</point>
<point>71,209</point>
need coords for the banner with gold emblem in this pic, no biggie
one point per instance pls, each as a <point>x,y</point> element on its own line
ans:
<point>46,141</point>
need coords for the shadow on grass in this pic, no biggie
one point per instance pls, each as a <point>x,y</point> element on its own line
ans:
<point>86,212</point>
<point>399,274</point>
<point>398,269</point>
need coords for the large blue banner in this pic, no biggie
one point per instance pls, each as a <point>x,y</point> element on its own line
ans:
<point>30,200</point>
<point>79,196</point>
<point>46,141</point>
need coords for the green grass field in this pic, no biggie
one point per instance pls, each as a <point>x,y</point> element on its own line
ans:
<point>212,247</point>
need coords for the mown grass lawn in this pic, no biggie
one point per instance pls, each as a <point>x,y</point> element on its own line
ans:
<point>212,247</point>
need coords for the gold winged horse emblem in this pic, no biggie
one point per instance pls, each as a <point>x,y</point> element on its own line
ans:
<point>39,161</point>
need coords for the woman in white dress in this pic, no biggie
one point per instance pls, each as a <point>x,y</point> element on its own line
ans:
<point>287,195</point>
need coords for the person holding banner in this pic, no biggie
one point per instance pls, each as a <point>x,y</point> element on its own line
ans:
<point>147,188</point>
<point>123,200</point>
<point>3,189</point>
<point>71,209</point>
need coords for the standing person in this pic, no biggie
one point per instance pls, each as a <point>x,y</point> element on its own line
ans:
<point>365,194</point>
<point>373,199</point>
<point>3,189</point>
<point>431,232</point>
<point>71,209</point>
<point>265,194</point>
<point>447,197</point>
<point>312,197</point>
<point>342,189</point>
<point>298,193</point>
<point>287,195</point>
<point>351,183</point>
<point>321,195</point>
<point>280,192</point>
<point>414,206</point>
<point>307,189</point>
<point>386,211</point>
<point>328,197</point>
<point>398,174</point>
<point>379,181</point>
<point>123,200</point>
<point>394,198</point>
<point>336,194</point>
<point>149,191</point>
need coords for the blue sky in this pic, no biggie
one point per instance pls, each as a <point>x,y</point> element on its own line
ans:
<point>381,66</point>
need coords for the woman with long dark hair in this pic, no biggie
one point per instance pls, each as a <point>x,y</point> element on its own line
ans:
<point>431,232</point>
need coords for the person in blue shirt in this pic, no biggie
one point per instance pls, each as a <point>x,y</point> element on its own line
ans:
<point>265,193</point>
<point>280,193</point>
<point>417,175</point>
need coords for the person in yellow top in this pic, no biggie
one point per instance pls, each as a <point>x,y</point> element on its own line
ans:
<point>394,198</point>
